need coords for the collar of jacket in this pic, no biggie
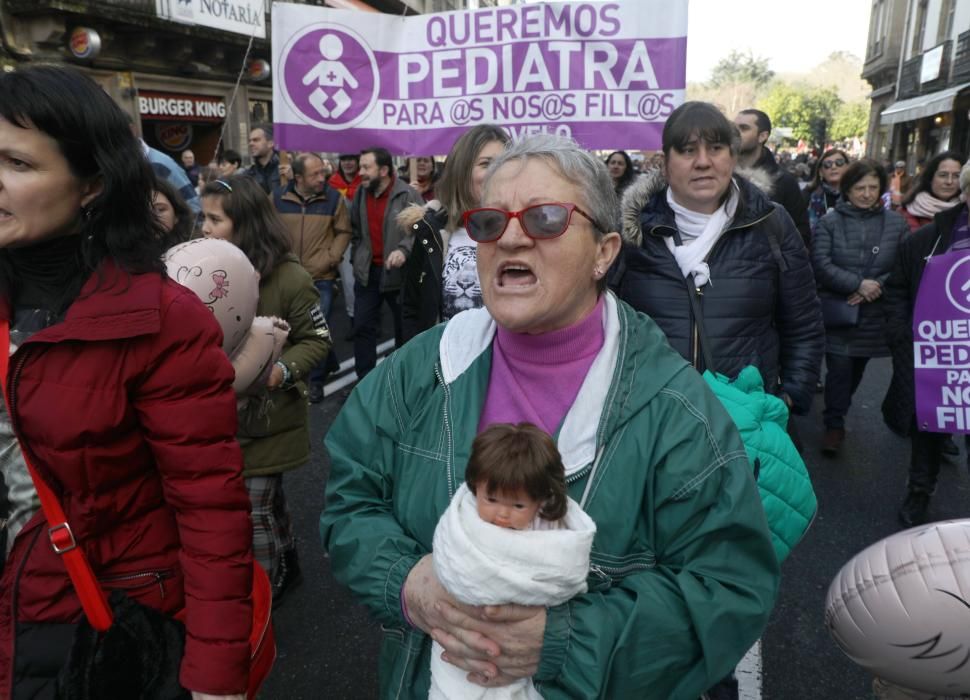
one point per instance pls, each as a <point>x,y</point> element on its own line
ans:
<point>274,161</point>
<point>469,334</point>
<point>112,305</point>
<point>645,207</point>
<point>766,162</point>
<point>432,215</point>
<point>944,221</point>
<point>291,195</point>
<point>847,208</point>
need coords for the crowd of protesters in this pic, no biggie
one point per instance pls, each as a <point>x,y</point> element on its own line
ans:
<point>529,282</point>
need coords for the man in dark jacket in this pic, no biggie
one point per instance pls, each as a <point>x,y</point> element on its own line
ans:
<point>380,248</point>
<point>755,128</point>
<point>266,160</point>
<point>319,226</point>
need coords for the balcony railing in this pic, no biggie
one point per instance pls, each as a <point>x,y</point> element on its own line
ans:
<point>961,59</point>
<point>909,78</point>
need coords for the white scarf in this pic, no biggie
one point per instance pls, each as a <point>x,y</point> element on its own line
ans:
<point>926,206</point>
<point>699,232</point>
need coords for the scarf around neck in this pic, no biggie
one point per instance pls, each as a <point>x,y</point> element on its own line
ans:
<point>926,206</point>
<point>698,233</point>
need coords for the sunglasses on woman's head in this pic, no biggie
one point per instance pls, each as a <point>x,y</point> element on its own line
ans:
<point>540,221</point>
<point>829,164</point>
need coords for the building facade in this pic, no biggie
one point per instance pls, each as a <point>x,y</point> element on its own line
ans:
<point>918,64</point>
<point>172,65</point>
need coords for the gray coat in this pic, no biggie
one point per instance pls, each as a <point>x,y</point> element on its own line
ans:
<point>842,246</point>
<point>395,237</point>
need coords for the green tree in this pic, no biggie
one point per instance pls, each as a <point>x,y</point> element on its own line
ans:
<point>739,67</point>
<point>807,111</point>
<point>851,120</point>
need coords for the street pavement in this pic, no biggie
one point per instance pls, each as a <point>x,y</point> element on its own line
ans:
<point>328,646</point>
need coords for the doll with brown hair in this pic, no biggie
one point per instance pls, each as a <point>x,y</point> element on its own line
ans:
<point>517,477</point>
<point>510,535</point>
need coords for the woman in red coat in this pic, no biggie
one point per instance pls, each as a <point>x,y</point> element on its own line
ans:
<point>119,392</point>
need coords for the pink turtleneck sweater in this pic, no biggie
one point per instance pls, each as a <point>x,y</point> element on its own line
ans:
<point>535,378</point>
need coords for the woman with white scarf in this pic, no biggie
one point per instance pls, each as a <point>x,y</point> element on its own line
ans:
<point>700,228</point>
<point>937,189</point>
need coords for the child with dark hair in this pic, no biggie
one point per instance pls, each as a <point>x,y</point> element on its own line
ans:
<point>510,535</point>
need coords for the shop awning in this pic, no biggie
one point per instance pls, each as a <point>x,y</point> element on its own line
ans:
<point>922,106</point>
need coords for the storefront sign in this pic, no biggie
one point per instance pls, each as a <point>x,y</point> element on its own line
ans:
<point>238,16</point>
<point>941,348</point>
<point>606,73</point>
<point>931,65</point>
<point>174,136</point>
<point>184,108</point>
<point>84,43</point>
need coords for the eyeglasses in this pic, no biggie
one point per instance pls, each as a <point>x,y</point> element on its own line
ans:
<point>837,163</point>
<point>540,221</point>
<point>224,184</point>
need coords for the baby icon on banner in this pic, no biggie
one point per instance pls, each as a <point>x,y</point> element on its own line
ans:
<point>330,76</point>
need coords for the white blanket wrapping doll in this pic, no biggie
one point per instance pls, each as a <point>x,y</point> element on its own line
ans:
<point>484,564</point>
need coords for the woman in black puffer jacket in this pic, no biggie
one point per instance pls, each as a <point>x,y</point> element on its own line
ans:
<point>853,253</point>
<point>700,228</point>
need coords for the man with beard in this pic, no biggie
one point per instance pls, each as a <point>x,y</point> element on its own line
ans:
<point>380,248</point>
<point>319,225</point>
<point>755,127</point>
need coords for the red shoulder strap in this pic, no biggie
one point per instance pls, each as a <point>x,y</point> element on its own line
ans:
<point>92,596</point>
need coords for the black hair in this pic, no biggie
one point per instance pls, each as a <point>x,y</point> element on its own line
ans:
<point>267,130</point>
<point>257,229</point>
<point>699,120</point>
<point>184,216</point>
<point>858,170</point>
<point>760,118</point>
<point>924,183</point>
<point>382,157</point>
<point>231,156</point>
<point>94,136</point>
<point>628,175</point>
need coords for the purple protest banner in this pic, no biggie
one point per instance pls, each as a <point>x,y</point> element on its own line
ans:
<point>606,73</point>
<point>941,343</point>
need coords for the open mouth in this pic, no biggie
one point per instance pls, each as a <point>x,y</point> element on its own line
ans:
<point>515,275</point>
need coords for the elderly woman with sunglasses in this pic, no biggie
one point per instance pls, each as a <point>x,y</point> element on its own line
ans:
<point>683,575</point>
<point>823,193</point>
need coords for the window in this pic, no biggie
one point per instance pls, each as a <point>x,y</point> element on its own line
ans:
<point>919,28</point>
<point>947,10</point>
<point>877,28</point>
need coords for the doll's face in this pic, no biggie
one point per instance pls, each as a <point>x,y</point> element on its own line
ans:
<point>514,511</point>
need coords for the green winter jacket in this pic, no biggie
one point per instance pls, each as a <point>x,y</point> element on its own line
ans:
<point>783,481</point>
<point>682,576</point>
<point>273,433</point>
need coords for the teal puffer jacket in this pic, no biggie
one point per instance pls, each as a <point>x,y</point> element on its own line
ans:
<point>783,481</point>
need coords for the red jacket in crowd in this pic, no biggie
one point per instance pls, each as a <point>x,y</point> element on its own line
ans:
<point>127,410</point>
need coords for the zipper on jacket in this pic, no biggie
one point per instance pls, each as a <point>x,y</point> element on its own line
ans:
<point>157,577</point>
<point>448,435</point>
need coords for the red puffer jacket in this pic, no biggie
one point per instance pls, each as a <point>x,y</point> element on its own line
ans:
<point>126,408</point>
